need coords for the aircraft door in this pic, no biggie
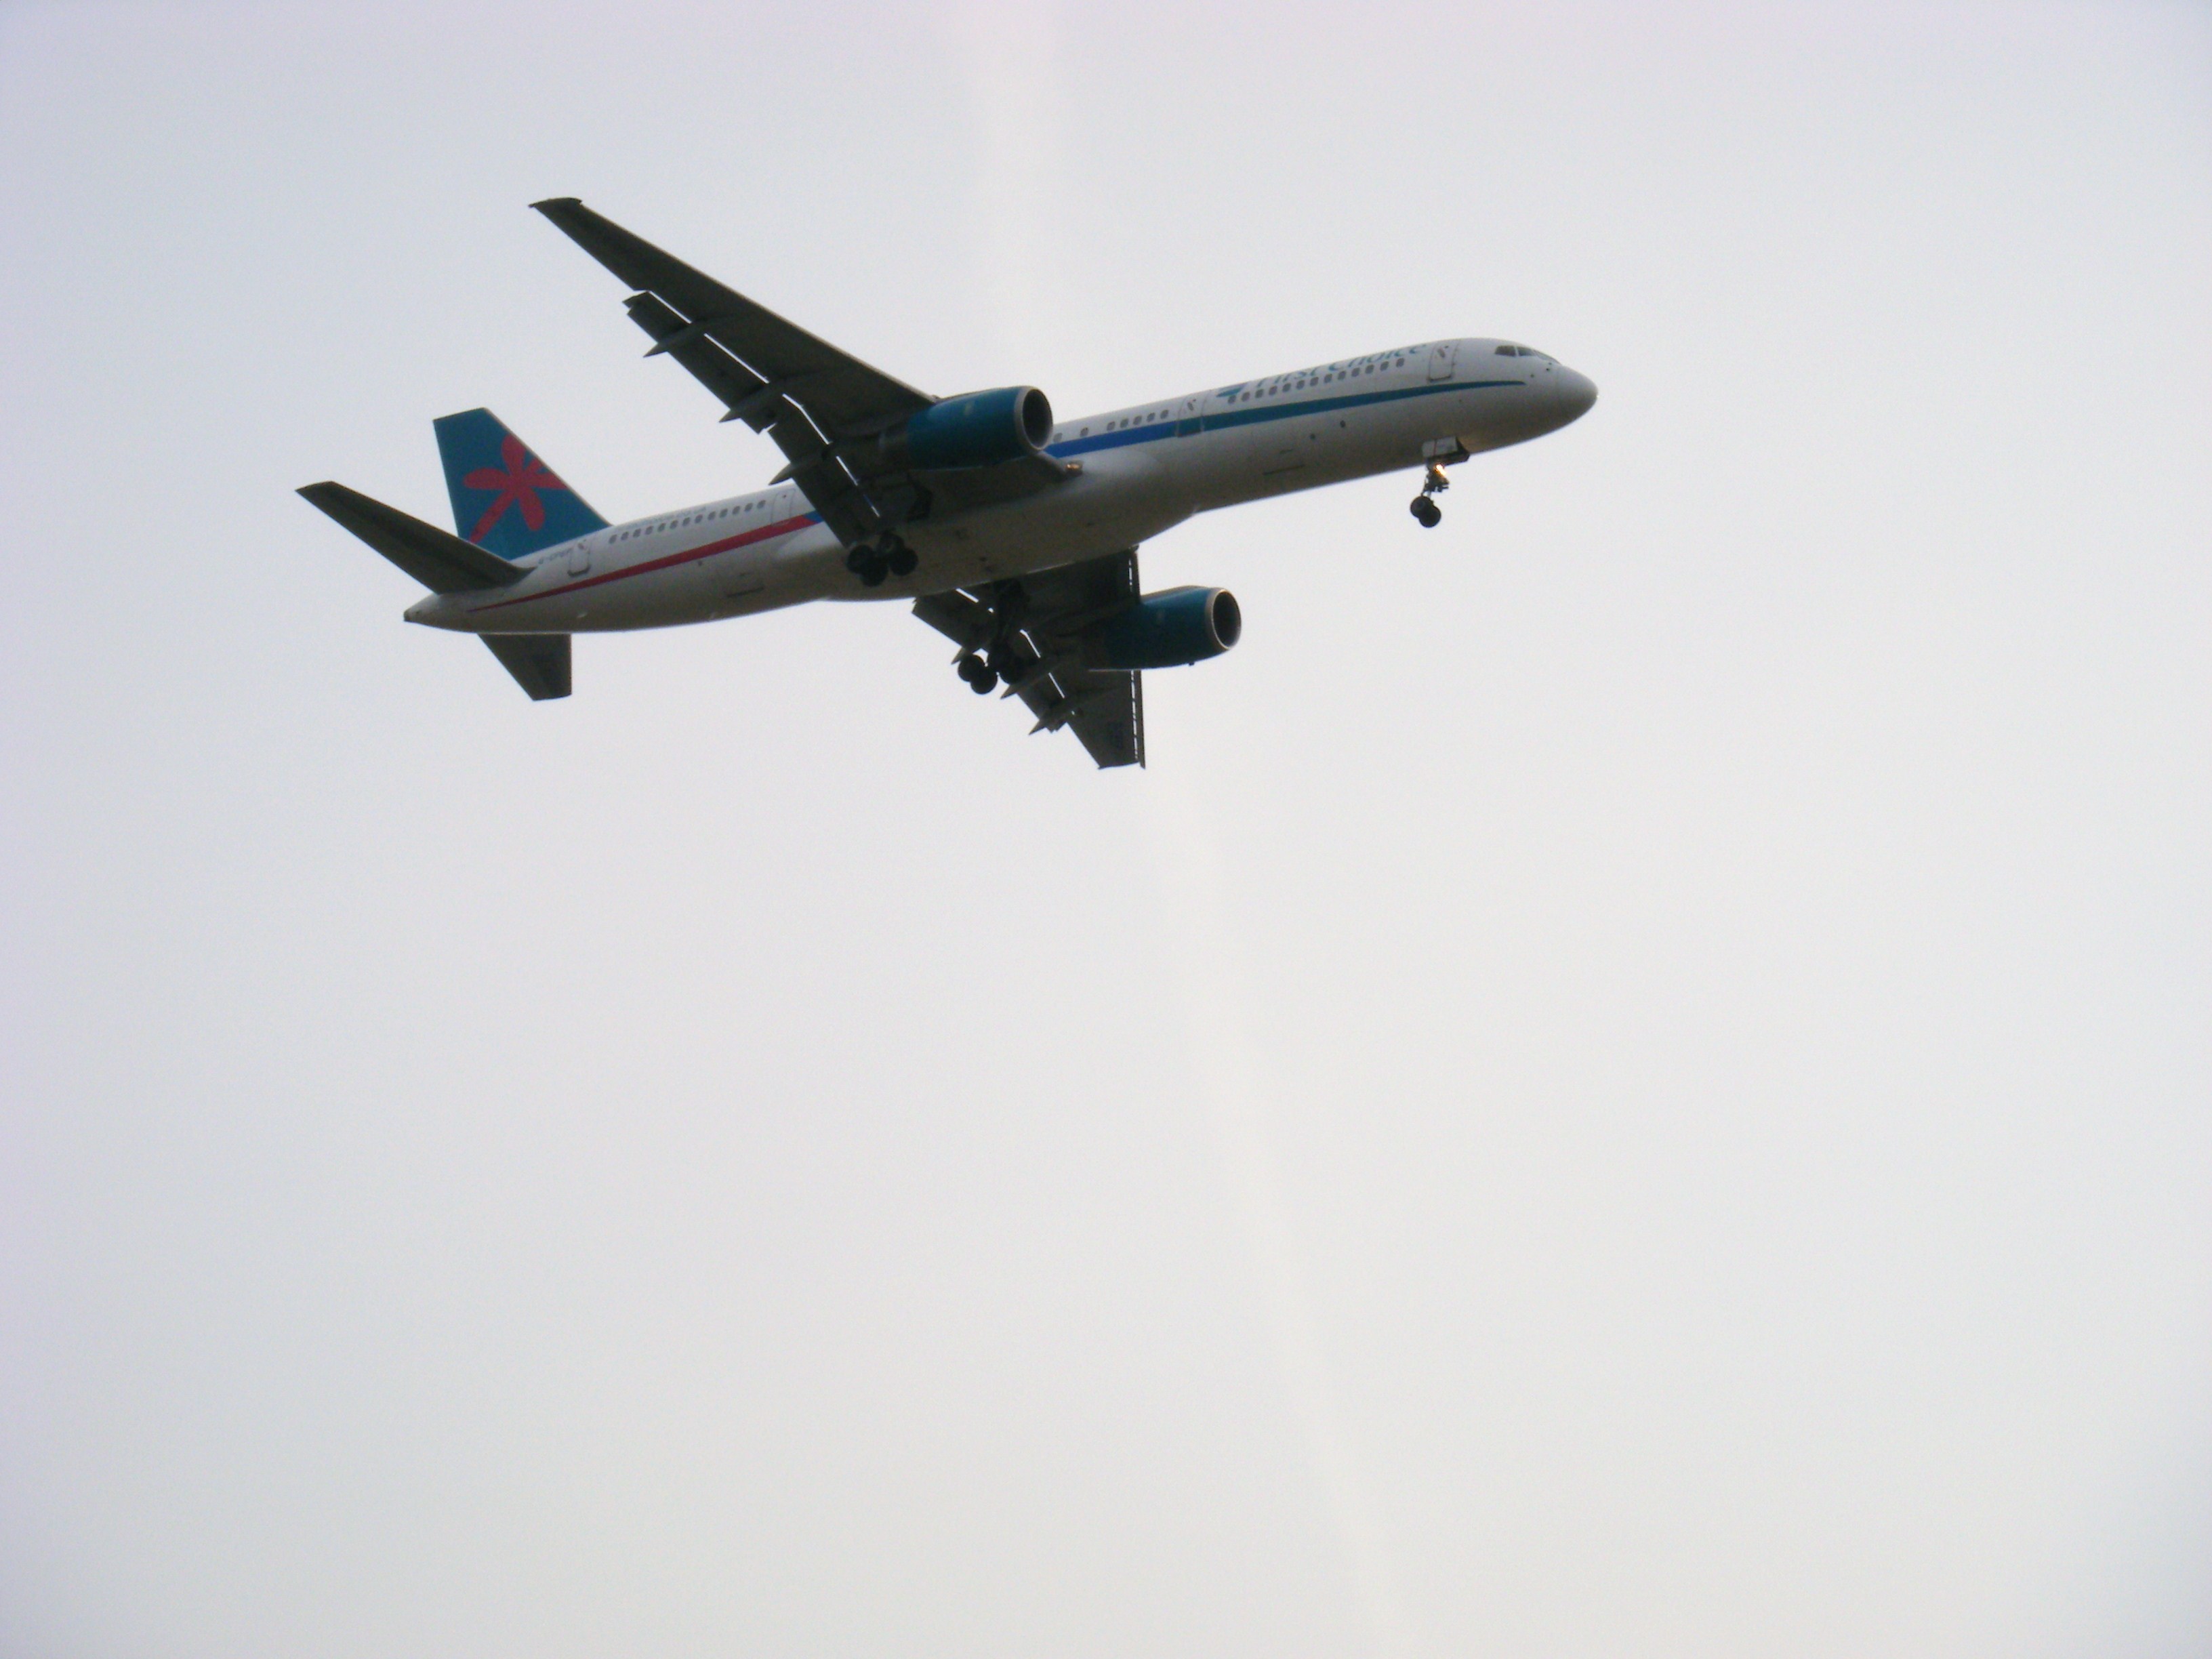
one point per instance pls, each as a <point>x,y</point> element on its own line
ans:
<point>579,556</point>
<point>1442,359</point>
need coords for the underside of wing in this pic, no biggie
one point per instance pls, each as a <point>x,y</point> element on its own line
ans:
<point>1030,634</point>
<point>770,374</point>
<point>772,355</point>
<point>834,417</point>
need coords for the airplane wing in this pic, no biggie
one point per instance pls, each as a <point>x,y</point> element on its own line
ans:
<point>1032,630</point>
<point>808,396</point>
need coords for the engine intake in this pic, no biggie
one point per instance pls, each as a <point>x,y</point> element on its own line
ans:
<point>1168,629</point>
<point>981,428</point>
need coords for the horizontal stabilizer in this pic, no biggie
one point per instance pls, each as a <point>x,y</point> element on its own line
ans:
<point>540,662</point>
<point>437,558</point>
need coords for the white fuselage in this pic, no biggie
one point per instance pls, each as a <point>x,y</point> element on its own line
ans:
<point>1145,469</point>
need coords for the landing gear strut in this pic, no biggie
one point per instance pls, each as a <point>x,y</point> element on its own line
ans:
<point>874,562</point>
<point>994,652</point>
<point>1424,508</point>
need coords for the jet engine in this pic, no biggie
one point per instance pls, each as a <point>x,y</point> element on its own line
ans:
<point>1168,629</point>
<point>981,428</point>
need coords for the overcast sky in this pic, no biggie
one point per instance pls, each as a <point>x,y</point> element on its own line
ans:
<point>1634,1080</point>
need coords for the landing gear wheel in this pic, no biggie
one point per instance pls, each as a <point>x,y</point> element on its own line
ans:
<point>982,678</point>
<point>1427,512</point>
<point>902,559</point>
<point>871,564</point>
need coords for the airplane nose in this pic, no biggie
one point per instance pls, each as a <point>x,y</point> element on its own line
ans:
<point>1577,393</point>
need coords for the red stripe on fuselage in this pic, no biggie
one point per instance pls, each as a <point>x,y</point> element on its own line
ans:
<point>782,527</point>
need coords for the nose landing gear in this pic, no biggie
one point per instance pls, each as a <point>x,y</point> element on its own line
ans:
<point>1424,508</point>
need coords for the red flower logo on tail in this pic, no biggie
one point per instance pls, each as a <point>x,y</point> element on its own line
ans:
<point>525,476</point>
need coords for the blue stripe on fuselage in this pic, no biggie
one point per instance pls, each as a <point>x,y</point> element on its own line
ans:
<point>1221,419</point>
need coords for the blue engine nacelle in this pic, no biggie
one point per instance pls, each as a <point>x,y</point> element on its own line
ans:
<point>1166,630</point>
<point>981,428</point>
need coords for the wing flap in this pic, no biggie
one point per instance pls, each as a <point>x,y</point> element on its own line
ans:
<point>1033,629</point>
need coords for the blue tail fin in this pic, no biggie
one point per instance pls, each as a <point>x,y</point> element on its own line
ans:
<point>505,499</point>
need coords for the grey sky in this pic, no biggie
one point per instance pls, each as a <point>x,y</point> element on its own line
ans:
<point>1633,1080</point>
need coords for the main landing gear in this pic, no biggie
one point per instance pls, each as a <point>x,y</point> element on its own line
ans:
<point>875,563</point>
<point>999,661</point>
<point>996,653</point>
<point>1424,508</point>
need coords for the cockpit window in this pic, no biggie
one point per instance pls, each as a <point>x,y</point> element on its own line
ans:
<point>1521,351</point>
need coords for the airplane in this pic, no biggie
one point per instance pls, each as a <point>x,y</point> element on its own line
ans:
<point>1011,531</point>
